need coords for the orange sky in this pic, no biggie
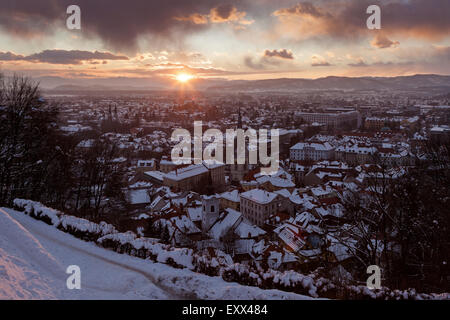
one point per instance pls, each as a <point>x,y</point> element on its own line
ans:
<point>244,39</point>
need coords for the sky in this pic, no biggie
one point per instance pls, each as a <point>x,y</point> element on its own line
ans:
<point>143,42</point>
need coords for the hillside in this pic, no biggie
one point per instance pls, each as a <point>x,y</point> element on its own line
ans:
<point>416,82</point>
<point>34,257</point>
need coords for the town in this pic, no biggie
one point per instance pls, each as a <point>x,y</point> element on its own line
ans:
<point>323,211</point>
<point>211,150</point>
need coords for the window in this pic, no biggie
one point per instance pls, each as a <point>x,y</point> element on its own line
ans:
<point>212,208</point>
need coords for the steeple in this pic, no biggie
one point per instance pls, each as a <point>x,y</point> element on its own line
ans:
<point>239,124</point>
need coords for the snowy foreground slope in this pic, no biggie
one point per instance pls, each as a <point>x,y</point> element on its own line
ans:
<point>34,257</point>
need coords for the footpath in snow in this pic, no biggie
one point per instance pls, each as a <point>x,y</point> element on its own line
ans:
<point>34,257</point>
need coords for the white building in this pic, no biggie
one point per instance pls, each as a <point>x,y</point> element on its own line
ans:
<point>257,205</point>
<point>311,151</point>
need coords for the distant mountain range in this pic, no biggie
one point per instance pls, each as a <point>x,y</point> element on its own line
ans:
<point>416,82</point>
<point>423,82</point>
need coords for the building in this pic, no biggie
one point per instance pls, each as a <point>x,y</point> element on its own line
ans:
<point>337,118</point>
<point>355,154</point>
<point>440,134</point>
<point>285,137</point>
<point>311,151</point>
<point>195,176</point>
<point>210,212</point>
<point>166,166</point>
<point>217,172</point>
<point>327,171</point>
<point>257,205</point>
<point>231,200</point>
<point>155,177</point>
<point>375,123</point>
<point>146,165</point>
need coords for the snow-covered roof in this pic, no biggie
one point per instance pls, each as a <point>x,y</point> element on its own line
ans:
<point>231,196</point>
<point>227,220</point>
<point>158,175</point>
<point>139,196</point>
<point>259,196</point>
<point>317,146</point>
<point>140,184</point>
<point>86,143</point>
<point>283,192</point>
<point>246,230</point>
<point>187,172</point>
<point>195,214</point>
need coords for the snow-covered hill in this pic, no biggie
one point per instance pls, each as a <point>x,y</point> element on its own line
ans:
<point>34,257</point>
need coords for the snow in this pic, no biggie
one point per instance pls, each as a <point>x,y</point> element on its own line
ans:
<point>341,250</point>
<point>86,143</point>
<point>139,196</point>
<point>187,172</point>
<point>84,225</point>
<point>34,257</point>
<point>141,185</point>
<point>231,196</point>
<point>226,222</point>
<point>38,209</point>
<point>317,146</point>
<point>259,196</point>
<point>195,213</point>
<point>246,230</point>
<point>158,175</point>
<point>283,192</point>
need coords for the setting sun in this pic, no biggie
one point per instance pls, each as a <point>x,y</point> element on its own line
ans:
<point>184,77</point>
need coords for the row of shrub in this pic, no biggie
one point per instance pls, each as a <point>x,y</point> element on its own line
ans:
<point>212,264</point>
<point>78,227</point>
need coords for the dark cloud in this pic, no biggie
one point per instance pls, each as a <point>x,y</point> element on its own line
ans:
<point>62,56</point>
<point>29,18</point>
<point>380,64</point>
<point>321,64</point>
<point>269,59</point>
<point>118,23</point>
<point>9,56</point>
<point>347,19</point>
<point>283,54</point>
<point>223,11</point>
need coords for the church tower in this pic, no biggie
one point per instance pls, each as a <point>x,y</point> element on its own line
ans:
<point>210,211</point>
<point>239,123</point>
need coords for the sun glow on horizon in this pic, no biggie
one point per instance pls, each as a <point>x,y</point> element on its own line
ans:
<point>184,77</point>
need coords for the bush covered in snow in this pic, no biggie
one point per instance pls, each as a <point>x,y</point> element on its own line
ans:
<point>129,243</point>
<point>211,262</point>
<point>78,227</point>
<point>38,211</point>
